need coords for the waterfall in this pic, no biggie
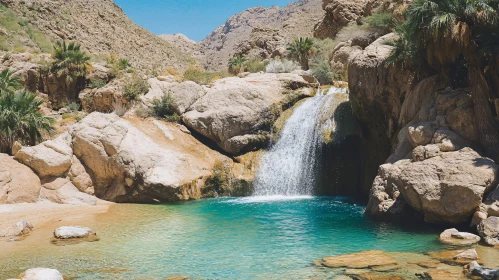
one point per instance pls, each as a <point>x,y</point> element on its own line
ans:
<point>289,168</point>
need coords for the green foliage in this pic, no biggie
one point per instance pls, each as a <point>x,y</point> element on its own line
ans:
<point>123,64</point>
<point>219,182</point>
<point>18,29</point>
<point>6,57</point>
<point>201,77</point>
<point>163,107</point>
<point>96,83</point>
<point>175,118</point>
<point>301,49</point>
<point>236,64</point>
<point>8,82</point>
<point>20,119</point>
<point>321,70</point>
<point>255,65</point>
<point>135,87</point>
<point>382,22</point>
<point>69,60</point>
<point>73,107</point>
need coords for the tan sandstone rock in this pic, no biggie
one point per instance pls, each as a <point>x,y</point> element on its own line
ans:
<point>454,237</point>
<point>21,228</point>
<point>235,113</point>
<point>18,183</point>
<point>51,158</point>
<point>447,188</point>
<point>364,259</point>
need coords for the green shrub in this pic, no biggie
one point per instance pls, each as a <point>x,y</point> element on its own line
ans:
<point>20,119</point>
<point>382,22</point>
<point>97,83</point>
<point>8,82</point>
<point>123,64</point>
<point>199,76</point>
<point>237,64</point>
<point>175,118</point>
<point>134,88</point>
<point>163,107</point>
<point>6,57</point>
<point>73,107</point>
<point>321,70</point>
<point>69,60</point>
<point>219,182</point>
<point>255,65</point>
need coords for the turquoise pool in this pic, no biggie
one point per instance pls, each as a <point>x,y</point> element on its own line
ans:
<point>230,238</point>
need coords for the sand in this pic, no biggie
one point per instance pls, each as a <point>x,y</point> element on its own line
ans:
<point>45,214</point>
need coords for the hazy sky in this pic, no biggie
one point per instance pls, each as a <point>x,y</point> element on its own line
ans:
<point>194,18</point>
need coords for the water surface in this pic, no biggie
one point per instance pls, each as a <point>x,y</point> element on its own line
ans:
<point>243,238</point>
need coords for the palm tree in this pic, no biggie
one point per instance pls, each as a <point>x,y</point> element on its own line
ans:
<point>20,119</point>
<point>300,50</point>
<point>69,60</point>
<point>8,82</point>
<point>437,34</point>
<point>236,65</point>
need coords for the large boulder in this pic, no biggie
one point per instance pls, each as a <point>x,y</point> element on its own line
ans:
<point>70,232</point>
<point>445,188</point>
<point>183,95</point>
<point>51,158</point>
<point>489,230</point>
<point>21,228</point>
<point>238,113</point>
<point>62,191</point>
<point>18,183</point>
<point>141,161</point>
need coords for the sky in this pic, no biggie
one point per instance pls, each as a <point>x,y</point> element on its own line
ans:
<point>194,18</point>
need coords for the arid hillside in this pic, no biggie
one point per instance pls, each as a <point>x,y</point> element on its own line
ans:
<point>102,28</point>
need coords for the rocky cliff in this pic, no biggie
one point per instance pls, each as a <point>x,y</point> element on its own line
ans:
<point>102,28</point>
<point>295,20</point>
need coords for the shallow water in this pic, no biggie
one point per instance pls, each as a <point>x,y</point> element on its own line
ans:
<point>243,238</point>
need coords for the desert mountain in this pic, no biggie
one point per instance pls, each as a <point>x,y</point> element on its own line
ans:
<point>294,20</point>
<point>102,28</point>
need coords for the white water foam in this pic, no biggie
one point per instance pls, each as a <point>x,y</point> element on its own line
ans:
<point>290,167</point>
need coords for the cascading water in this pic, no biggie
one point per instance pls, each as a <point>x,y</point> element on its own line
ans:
<point>289,168</point>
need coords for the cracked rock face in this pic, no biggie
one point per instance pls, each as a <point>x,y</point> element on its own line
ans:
<point>446,188</point>
<point>489,230</point>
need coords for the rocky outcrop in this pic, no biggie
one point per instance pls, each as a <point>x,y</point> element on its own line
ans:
<point>339,13</point>
<point>237,114</point>
<point>489,230</point>
<point>485,273</point>
<point>183,95</point>
<point>365,259</point>
<point>41,274</point>
<point>376,95</point>
<point>51,158</point>
<point>140,163</point>
<point>18,184</point>
<point>263,43</point>
<point>444,187</point>
<point>295,20</point>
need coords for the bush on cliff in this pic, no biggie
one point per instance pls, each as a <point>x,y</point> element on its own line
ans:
<point>281,66</point>
<point>69,61</point>
<point>300,50</point>
<point>135,87</point>
<point>442,35</point>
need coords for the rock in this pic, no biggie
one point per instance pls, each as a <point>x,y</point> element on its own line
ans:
<point>21,228</point>
<point>365,259</point>
<point>454,257</point>
<point>51,158</point>
<point>70,232</point>
<point>105,99</point>
<point>489,230</point>
<point>429,264</point>
<point>421,134</point>
<point>486,273</point>
<point>236,107</point>
<point>18,183</point>
<point>342,277</point>
<point>99,71</point>
<point>447,188</point>
<point>183,94</point>
<point>135,161</point>
<point>376,91</point>
<point>62,191</point>
<point>372,276</point>
<point>80,177</point>
<point>177,278</point>
<point>468,255</point>
<point>454,237</point>
<point>16,147</point>
<point>441,274</point>
<point>489,207</point>
<point>339,13</point>
<point>41,274</point>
